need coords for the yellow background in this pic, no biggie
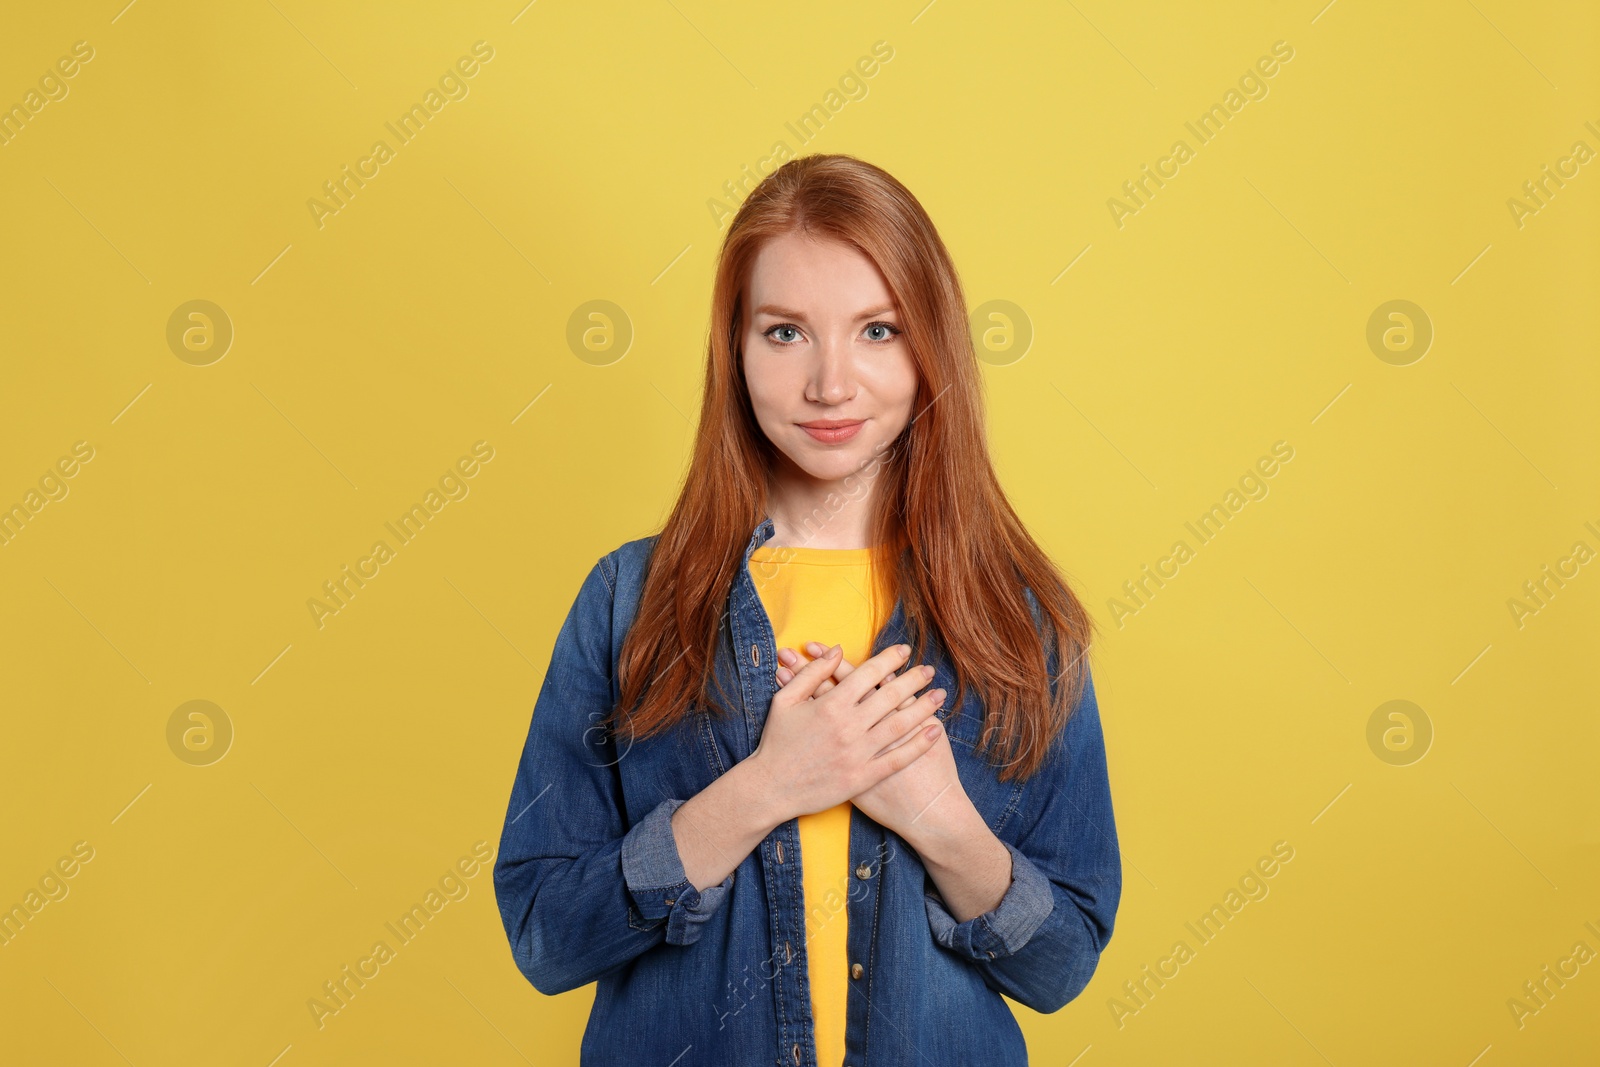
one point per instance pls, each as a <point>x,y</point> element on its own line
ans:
<point>431,312</point>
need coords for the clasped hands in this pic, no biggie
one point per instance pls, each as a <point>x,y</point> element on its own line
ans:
<point>863,734</point>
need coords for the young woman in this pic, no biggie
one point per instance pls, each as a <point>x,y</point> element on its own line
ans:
<point>817,772</point>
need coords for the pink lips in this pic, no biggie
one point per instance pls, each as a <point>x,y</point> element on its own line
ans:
<point>833,431</point>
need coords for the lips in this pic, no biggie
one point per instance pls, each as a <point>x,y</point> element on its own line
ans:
<point>832,431</point>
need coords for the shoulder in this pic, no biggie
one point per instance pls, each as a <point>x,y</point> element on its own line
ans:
<point>630,555</point>
<point>618,578</point>
<point>605,605</point>
<point>618,575</point>
<point>624,566</point>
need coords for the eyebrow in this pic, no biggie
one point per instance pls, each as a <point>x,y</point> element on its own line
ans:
<point>787,313</point>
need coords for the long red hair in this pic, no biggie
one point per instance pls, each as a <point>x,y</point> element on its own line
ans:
<point>946,539</point>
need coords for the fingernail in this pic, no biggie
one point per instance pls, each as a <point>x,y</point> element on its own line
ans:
<point>904,650</point>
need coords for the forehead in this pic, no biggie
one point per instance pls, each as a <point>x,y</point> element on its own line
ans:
<point>811,273</point>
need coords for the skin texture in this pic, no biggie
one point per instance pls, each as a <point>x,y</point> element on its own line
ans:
<point>967,862</point>
<point>842,360</point>
<point>821,340</point>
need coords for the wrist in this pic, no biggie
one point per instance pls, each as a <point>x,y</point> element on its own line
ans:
<point>757,793</point>
<point>942,839</point>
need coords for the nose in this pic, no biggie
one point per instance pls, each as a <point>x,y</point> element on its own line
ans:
<point>832,379</point>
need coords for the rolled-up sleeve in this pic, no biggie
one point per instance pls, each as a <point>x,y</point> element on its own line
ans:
<point>653,870</point>
<point>580,890</point>
<point>1004,929</point>
<point>1042,943</point>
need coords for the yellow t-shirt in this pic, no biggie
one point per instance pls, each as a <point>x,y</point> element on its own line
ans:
<point>822,594</point>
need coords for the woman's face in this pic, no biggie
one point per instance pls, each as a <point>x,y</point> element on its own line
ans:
<point>823,348</point>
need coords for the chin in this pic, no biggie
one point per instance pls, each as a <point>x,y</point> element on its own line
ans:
<point>835,464</point>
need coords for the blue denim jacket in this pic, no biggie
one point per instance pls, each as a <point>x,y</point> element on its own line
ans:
<point>591,886</point>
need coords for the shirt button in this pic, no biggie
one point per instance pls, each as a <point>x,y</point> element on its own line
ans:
<point>856,970</point>
<point>863,872</point>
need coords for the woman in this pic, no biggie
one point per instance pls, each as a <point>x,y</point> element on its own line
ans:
<point>736,696</point>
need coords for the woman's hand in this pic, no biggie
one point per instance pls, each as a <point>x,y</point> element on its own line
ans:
<point>792,661</point>
<point>821,748</point>
<point>904,798</point>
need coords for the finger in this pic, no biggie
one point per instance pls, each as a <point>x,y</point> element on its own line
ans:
<point>893,693</point>
<point>915,747</point>
<point>794,661</point>
<point>897,724</point>
<point>803,685</point>
<point>869,674</point>
<point>908,701</point>
<point>929,721</point>
<point>817,648</point>
<point>785,675</point>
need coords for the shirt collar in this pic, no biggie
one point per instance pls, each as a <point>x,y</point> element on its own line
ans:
<point>759,536</point>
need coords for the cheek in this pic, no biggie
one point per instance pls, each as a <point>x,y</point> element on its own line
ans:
<point>908,384</point>
<point>755,376</point>
<point>769,388</point>
<point>895,383</point>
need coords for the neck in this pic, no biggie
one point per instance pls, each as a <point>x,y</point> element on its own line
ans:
<point>818,514</point>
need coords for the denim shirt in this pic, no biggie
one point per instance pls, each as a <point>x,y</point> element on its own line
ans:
<point>591,886</point>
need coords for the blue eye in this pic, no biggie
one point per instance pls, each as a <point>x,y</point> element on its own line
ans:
<point>787,334</point>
